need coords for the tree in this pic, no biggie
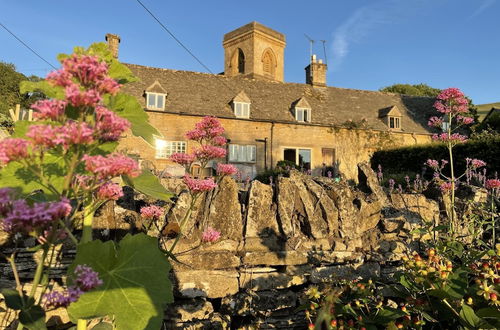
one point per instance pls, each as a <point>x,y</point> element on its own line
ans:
<point>9,87</point>
<point>416,90</point>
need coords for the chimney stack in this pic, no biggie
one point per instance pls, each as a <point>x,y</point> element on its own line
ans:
<point>113,43</point>
<point>316,73</point>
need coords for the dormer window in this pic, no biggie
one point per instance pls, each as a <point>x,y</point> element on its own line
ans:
<point>155,101</point>
<point>241,109</point>
<point>303,115</point>
<point>241,105</point>
<point>394,122</point>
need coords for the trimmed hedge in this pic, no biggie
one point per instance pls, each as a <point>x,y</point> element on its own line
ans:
<point>411,159</point>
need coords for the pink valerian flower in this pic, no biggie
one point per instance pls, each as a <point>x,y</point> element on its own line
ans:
<point>199,185</point>
<point>151,212</point>
<point>109,126</point>
<point>477,163</point>
<point>453,138</point>
<point>492,184</point>
<point>451,101</point>
<point>219,141</point>
<point>210,235</point>
<point>111,166</point>
<point>391,185</point>
<point>446,187</point>
<point>85,280</point>
<point>209,152</point>
<point>20,217</point>
<point>77,97</point>
<point>12,149</point>
<point>226,169</point>
<point>182,158</point>
<point>432,163</point>
<point>435,122</point>
<point>71,133</point>
<point>110,191</point>
<point>465,120</point>
<point>207,129</point>
<point>49,109</point>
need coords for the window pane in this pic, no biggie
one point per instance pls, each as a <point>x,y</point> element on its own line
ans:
<point>290,155</point>
<point>151,100</point>
<point>391,122</point>
<point>253,153</point>
<point>305,158</point>
<point>300,115</point>
<point>397,122</point>
<point>233,152</point>
<point>159,101</point>
<point>306,115</point>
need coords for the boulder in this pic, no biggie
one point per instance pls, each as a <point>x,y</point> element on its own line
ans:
<point>368,181</point>
<point>261,215</point>
<point>206,283</point>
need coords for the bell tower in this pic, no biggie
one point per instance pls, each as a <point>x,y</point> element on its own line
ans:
<point>254,51</point>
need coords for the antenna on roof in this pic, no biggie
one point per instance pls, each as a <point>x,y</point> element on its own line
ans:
<point>324,50</point>
<point>311,42</point>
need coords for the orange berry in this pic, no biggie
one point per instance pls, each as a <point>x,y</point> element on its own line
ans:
<point>333,323</point>
<point>311,326</point>
<point>493,297</point>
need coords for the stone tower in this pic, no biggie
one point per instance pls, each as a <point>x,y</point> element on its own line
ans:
<point>316,73</point>
<point>113,43</point>
<point>254,51</point>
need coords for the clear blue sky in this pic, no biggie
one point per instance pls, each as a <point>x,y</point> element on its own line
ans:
<point>370,43</point>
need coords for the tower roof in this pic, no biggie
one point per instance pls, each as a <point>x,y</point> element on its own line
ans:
<point>251,27</point>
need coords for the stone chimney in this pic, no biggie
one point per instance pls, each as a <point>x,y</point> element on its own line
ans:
<point>316,73</point>
<point>113,43</point>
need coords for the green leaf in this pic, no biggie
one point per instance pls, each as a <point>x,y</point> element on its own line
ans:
<point>467,314</point>
<point>489,313</point>
<point>387,314</point>
<point>103,326</point>
<point>135,286</point>
<point>33,318</point>
<point>127,106</point>
<point>12,299</point>
<point>148,184</point>
<point>53,92</point>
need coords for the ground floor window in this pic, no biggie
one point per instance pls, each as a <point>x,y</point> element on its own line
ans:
<point>242,153</point>
<point>301,157</point>
<point>165,149</point>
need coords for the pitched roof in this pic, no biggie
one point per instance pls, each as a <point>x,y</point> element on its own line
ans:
<point>390,111</point>
<point>209,94</point>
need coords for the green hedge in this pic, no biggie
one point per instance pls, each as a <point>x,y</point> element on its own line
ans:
<point>411,159</point>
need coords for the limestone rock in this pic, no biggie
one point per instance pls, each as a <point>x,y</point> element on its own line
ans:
<point>254,279</point>
<point>259,302</point>
<point>286,206</point>
<point>186,310</point>
<point>277,258</point>
<point>261,215</point>
<point>225,211</point>
<point>206,283</point>
<point>417,207</point>
<point>368,179</point>
<point>206,260</point>
<point>325,208</point>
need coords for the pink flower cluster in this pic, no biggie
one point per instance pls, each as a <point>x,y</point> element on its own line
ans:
<point>110,191</point>
<point>465,120</point>
<point>20,217</point>
<point>49,109</point>
<point>432,163</point>
<point>492,184</point>
<point>453,138</point>
<point>210,235</point>
<point>151,212</point>
<point>446,187</point>
<point>207,129</point>
<point>475,163</point>
<point>182,158</point>
<point>12,149</point>
<point>199,185</point>
<point>435,122</point>
<point>109,126</point>
<point>451,101</point>
<point>111,166</point>
<point>85,280</point>
<point>226,169</point>
<point>71,133</point>
<point>207,152</point>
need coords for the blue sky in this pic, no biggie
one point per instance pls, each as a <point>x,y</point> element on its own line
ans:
<point>369,43</point>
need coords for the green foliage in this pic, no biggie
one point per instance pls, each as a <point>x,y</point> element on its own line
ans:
<point>411,159</point>
<point>31,316</point>
<point>9,87</point>
<point>148,184</point>
<point>416,90</point>
<point>136,287</point>
<point>282,168</point>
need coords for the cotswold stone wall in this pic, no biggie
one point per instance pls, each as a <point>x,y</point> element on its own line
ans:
<point>276,242</point>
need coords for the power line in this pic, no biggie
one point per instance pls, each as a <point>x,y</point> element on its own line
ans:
<point>174,37</point>
<point>25,45</point>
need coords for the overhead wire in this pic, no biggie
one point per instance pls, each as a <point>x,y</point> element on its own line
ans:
<point>27,46</point>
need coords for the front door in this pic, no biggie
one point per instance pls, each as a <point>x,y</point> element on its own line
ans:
<point>328,157</point>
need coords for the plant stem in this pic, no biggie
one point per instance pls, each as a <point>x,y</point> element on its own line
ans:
<point>38,273</point>
<point>452,169</point>
<point>181,224</point>
<point>81,324</point>
<point>70,234</point>
<point>16,274</point>
<point>88,217</point>
<point>493,221</point>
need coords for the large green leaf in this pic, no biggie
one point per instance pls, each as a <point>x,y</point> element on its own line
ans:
<point>467,314</point>
<point>54,92</point>
<point>128,107</point>
<point>136,287</point>
<point>148,184</point>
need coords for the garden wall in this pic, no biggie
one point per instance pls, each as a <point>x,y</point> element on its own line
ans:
<point>276,242</point>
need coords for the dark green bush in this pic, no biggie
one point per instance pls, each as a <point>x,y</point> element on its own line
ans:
<point>484,146</point>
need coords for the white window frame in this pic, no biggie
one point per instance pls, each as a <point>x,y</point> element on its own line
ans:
<point>241,109</point>
<point>445,125</point>
<point>164,149</point>
<point>303,115</point>
<point>397,122</point>
<point>158,97</point>
<point>297,150</point>
<point>242,153</point>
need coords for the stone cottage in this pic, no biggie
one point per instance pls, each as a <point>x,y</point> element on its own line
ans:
<point>268,120</point>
